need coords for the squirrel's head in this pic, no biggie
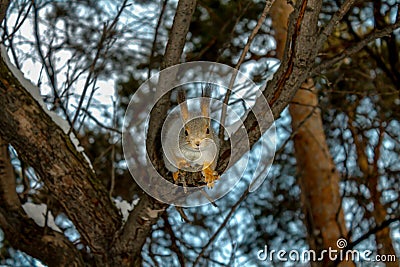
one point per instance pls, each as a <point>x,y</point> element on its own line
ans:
<point>197,130</point>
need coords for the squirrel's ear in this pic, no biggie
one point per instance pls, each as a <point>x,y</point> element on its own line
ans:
<point>181,97</point>
<point>183,104</point>
<point>205,101</point>
<point>206,91</point>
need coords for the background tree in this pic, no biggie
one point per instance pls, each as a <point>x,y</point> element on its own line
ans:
<point>93,55</point>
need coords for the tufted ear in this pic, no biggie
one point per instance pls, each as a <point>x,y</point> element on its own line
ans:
<point>183,104</point>
<point>205,101</point>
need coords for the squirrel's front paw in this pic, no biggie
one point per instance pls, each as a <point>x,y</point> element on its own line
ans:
<point>175,175</point>
<point>210,176</point>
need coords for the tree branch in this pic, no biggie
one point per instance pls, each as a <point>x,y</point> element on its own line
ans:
<point>370,232</point>
<point>174,245</point>
<point>130,240</point>
<point>356,47</point>
<point>128,245</point>
<point>174,49</point>
<point>253,34</point>
<point>221,226</point>
<point>299,58</point>
<point>177,36</point>
<point>47,64</point>
<point>51,247</point>
<point>337,17</point>
<point>153,45</point>
<point>3,9</point>
<point>41,142</point>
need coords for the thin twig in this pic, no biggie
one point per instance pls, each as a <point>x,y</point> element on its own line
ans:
<point>89,101</point>
<point>9,36</point>
<point>223,224</point>
<point>100,45</point>
<point>174,245</point>
<point>253,34</point>
<point>336,18</point>
<point>372,231</point>
<point>100,123</point>
<point>11,46</point>
<point>356,47</point>
<point>113,150</point>
<point>153,46</point>
<point>47,65</point>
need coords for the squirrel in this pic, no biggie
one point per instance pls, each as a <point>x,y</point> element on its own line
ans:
<point>190,143</point>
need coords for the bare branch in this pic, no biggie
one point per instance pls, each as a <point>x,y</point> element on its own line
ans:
<point>130,240</point>
<point>47,64</point>
<point>41,142</point>
<point>177,37</point>
<point>112,129</point>
<point>53,248</point>
<point>253,34</point>
<point>370,232</point>
<point>174,49</point>
<point>300,54</point>
<point>221,227</point>
<point>337,17</point>
<point>153,46</point>
<point>107,30</point>
<point>356,47</point>
<point>174,245</point>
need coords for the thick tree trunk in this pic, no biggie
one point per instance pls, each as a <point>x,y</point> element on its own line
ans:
<point>52,247</point>
<point>318,178</point>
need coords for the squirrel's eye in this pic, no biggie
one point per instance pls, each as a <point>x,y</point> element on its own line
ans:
<point>186,133</point>
<point>208,131</point>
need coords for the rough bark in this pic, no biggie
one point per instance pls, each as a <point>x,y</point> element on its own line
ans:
<point>318,177</point>
<point>127,250</point>
<point>298,63</point>
<point>52,247</point>
<point>130,240</point>
<point>299,57</point>
<point>173,52</point>
<point>65,172</point>
<point>3,9</point>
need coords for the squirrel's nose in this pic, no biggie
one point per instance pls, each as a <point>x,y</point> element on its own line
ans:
<point>197,143</point>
